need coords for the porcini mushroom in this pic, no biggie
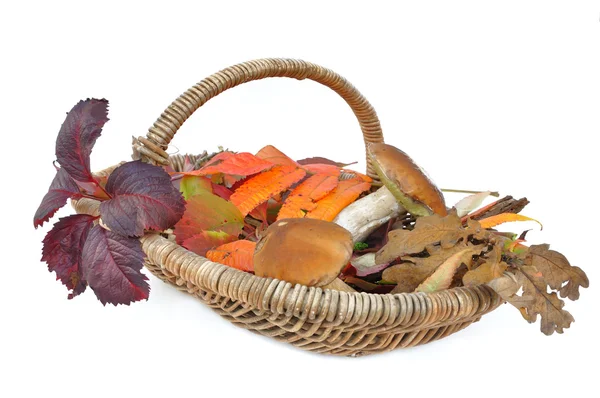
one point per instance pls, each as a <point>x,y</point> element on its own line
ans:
<point>406,188</point>
<point>306,251</point>
<point>407,181</point>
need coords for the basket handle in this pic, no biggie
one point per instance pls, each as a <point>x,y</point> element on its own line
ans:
<point>152,148</point>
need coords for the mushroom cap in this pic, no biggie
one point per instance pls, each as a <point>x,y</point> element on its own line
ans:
<point>303,250</point>
<point>407,181</point>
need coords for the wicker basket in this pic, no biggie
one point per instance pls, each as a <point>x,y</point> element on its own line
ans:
<point>310,318</point>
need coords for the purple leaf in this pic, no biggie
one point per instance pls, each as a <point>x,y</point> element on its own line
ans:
<point>62,250</point>
<point>77,137</point>
<point>62,188</point>
<point>112,267</point>
<point>143,198</point>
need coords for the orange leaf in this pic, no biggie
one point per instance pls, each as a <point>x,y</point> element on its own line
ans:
<point>345,193</point>
<point>321,168</point>
<point>260,188</point>
<point>303,197</point>
<point>274,155</point>
<point>492,221</point>
<point>238,254</point>
<point>240,164</point>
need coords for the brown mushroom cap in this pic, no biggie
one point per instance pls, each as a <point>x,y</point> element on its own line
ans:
<point>303,250</point>
<point>407,181</point>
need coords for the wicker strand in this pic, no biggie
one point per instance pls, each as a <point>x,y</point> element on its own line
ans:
<point>153,148</point>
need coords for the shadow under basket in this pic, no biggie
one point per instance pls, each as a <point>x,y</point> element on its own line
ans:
<point>311,318</point>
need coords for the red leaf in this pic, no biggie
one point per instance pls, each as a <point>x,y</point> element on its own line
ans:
<point>62,188</point>
<point>240,164</point>
<point>206,240</point>
<point>208,212</point>
<point>303,197</point>
<point>238,254</point>
<point>275,156</point>
<point>112,266</point>
<point>260,188</point>
<point>143,198</point>
<point>77,136</point>
<point>62,249</point>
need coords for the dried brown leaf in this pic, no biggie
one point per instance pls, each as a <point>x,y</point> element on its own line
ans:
<point>547,305</point>
<point>411,273</point>
<point>557,272</point>
<point>492,268</point>
<point>442,276</point>
<point>446,231</point>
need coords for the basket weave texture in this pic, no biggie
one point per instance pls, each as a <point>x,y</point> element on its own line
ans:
<point>311,318</point>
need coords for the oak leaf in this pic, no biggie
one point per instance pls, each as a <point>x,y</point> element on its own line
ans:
<point>546,304</point>
<point>492,268</point>
<point>447,231</point>
<point>409,274</point>
<point>557,272</point>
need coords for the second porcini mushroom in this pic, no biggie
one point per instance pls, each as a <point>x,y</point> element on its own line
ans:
<point>407,181</point>
<point>304,251</point>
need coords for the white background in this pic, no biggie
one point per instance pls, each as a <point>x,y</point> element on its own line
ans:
<point>485,95</point>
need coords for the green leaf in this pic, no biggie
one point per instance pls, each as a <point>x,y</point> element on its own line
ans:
<point>206,211</point>
<point>193,185</point>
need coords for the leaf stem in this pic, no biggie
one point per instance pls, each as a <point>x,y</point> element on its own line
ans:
<point>494,194</point>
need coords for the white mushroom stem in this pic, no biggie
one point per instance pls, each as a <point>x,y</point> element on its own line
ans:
<point>367,214</point>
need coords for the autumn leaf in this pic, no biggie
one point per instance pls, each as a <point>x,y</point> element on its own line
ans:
<point>62,250</point>
<point>275,156</point>
<point>557,272</point>
<point>366,265</point>
<point>192,185</point>
<point>258,189</point>
<point>239,164</point>
<point>62,188</point>
<point>428,230</point>
<point>507,288</point>
<point>142,198</point>
<point>368,286</point>
<point>550,308</point>
<point>204,241</point>
<point>326,169</point>
<point>493,221</point>
<point>409,274</point>
<point>302,199</point>
<point>77,136</point>
<point>112,265</point>
<point>443,274</point>
<point>238,254</point>
<point>470,203</point>
<point>492,268</point>
<point>206,211</point>
<point>345,193</point>
<point>321,160</point>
